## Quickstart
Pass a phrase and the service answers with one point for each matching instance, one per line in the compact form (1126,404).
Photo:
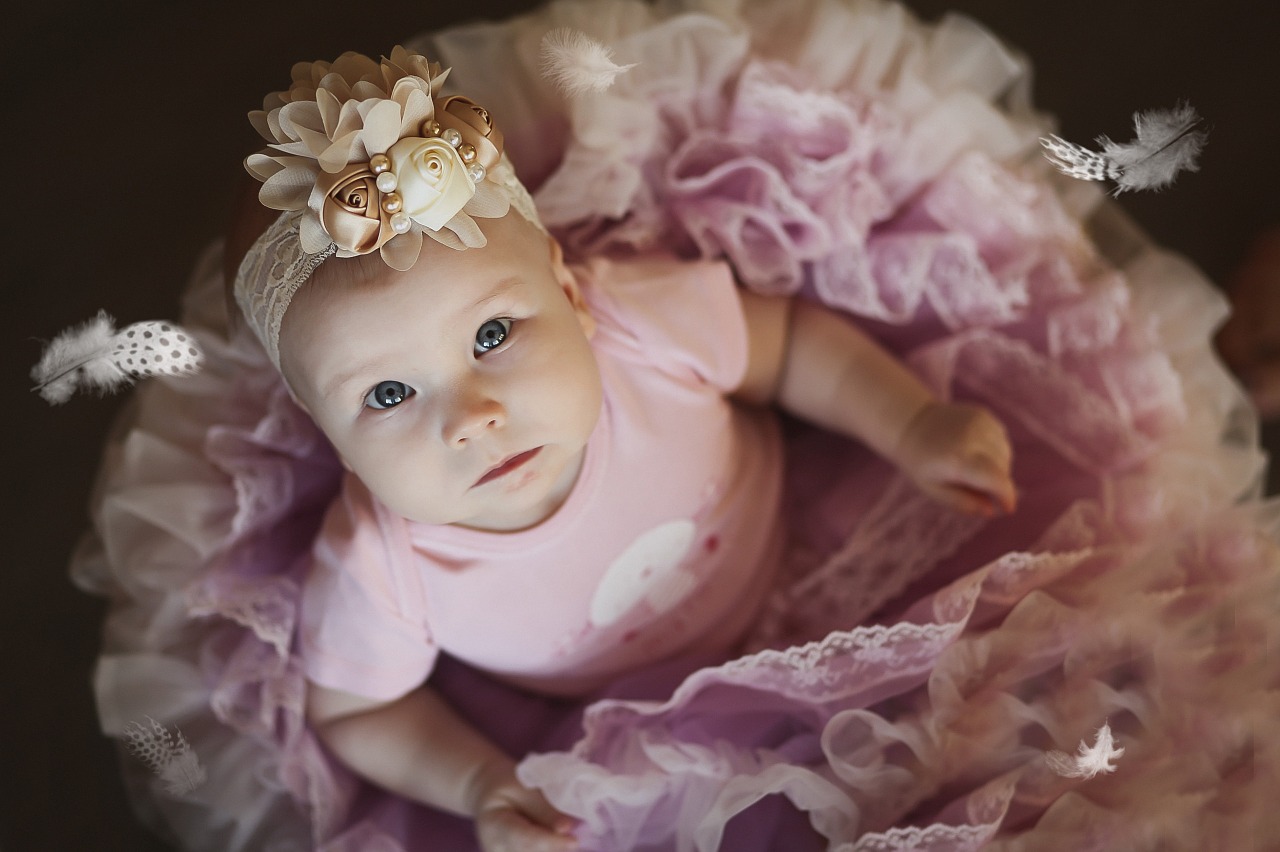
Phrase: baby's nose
(472,415)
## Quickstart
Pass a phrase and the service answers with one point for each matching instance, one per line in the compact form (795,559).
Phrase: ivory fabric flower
(433,180)
(372,158)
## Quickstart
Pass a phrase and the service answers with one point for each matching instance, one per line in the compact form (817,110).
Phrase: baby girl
(558,473)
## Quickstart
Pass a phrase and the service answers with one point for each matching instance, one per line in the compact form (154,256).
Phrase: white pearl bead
(387,182)
(400,223)
(476,172)
(452,136)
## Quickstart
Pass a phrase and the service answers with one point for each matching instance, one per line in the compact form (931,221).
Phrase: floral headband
(367,156)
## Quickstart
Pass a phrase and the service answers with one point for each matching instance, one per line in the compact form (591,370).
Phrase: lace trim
(955,837)
(826,665)
(505,177)
(268,607)
(271,272)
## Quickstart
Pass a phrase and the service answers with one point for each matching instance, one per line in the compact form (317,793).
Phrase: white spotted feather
(94,356)
(1168,142)
(170,758)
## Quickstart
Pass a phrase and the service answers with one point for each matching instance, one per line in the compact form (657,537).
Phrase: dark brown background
(123,128)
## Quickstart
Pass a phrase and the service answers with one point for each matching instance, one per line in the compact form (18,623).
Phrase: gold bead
(430,127)
(468,153)
(392,202)
(379,163)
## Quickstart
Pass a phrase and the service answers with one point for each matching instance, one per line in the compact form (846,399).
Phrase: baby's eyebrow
(331,387)
(500,289)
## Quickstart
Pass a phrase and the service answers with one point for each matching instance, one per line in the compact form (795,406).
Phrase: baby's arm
(820,367)
(418,747)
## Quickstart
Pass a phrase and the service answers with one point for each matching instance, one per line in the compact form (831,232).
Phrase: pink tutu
(913,667)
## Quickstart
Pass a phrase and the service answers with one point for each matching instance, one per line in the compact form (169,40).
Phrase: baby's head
(411,300)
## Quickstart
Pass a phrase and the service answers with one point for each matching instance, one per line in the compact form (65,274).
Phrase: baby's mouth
(506,466)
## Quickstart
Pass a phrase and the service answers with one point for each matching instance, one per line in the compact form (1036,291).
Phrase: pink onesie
(666,544)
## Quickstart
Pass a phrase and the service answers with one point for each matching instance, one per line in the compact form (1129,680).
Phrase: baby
(556,473)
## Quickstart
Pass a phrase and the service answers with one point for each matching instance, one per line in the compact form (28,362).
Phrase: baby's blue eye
(388,394)
(491,335)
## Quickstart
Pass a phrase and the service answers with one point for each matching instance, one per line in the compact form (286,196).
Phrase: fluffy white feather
(1168,142)
(173,761)
(576,63)
(77,356)
(1089,760)
(95,356)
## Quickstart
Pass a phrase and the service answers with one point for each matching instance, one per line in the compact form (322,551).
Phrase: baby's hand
(959,455)
(513,818)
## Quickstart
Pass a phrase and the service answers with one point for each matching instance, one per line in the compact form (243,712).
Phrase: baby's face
(460,392)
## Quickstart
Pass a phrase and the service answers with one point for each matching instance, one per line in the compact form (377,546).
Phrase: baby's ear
(572,289)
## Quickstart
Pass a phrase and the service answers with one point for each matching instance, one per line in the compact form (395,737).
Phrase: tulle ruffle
(913,666)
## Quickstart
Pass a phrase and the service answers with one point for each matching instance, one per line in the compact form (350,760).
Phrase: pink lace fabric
(912,667)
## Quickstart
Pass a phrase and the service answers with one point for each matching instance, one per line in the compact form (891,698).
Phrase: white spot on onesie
(649,571)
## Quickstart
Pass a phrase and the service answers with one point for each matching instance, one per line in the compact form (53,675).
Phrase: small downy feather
(1168,142)
(1089,760)
(578,64)
(94,356)
(173,761)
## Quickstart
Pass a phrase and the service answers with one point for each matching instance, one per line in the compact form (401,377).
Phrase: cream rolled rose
(431,179)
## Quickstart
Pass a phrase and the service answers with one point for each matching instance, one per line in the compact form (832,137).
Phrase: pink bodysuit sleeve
(363,629)
(685,317)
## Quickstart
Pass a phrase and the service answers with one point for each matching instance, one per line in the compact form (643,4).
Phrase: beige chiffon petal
(296,149)
(296,117)
(349,120)
(467,231)
(314,142)
(381,127)
(365,90)
(447,238)
(330,111)
(288,189)
(489,202)
(337,155)
(401,252)
(416,108)
(258,118)
(312,235)
(262,166)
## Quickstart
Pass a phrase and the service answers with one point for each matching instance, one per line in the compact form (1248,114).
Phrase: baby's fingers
(535,806)
(508,830)
(981,485)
